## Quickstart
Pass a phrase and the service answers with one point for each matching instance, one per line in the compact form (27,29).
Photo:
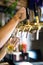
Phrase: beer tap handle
(27,13)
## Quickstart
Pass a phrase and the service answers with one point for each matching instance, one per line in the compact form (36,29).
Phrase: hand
(21,14)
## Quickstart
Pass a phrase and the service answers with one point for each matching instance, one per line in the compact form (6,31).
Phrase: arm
(20,15)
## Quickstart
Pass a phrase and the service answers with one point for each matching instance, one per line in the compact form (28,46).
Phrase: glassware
(13,44)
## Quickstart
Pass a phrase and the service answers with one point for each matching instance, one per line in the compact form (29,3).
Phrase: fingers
(21,14)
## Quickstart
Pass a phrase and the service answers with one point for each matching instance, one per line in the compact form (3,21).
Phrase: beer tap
(32,27)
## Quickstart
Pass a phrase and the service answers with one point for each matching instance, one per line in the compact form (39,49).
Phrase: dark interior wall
(38,44)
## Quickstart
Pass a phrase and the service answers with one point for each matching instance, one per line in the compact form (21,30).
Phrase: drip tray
(23,63)
(37,63)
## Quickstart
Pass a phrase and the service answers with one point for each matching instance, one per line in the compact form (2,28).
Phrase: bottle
(41,18)
(37,25)
(3,19)
(36,12)
(37,18)
(27,13)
